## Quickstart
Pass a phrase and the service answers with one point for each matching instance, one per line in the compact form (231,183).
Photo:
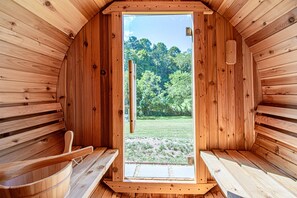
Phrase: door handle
(132,98)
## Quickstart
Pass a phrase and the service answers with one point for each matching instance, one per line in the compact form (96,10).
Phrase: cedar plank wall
(84,87)
(34,35)
(34,38)
(224,112)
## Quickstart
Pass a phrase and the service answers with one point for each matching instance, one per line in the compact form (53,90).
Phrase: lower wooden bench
(244,174)
(87,174)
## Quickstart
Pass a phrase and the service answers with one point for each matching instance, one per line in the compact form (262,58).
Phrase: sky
(169,29)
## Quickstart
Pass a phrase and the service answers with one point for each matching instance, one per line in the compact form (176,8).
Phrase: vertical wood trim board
(200,95)
(248,87)
(117,94)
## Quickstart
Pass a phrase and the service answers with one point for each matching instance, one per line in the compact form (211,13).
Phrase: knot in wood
(94,108)
(120,112)
(86,43)
(71,35)
(197,31)
(291,20)
(115,169)
(102,72)
(47,3)
(200,76)
(112,35)
(94,66)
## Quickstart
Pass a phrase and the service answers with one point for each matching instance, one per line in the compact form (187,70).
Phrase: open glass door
(158,97)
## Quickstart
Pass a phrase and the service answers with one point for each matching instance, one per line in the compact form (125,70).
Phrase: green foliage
(149,94)
(179,92)
(163,78)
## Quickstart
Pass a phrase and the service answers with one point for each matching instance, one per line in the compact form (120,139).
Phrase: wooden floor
(104,191)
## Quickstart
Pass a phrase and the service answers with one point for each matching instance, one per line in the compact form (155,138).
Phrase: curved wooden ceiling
(36,34)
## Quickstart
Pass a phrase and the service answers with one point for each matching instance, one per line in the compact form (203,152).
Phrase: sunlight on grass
(167,140)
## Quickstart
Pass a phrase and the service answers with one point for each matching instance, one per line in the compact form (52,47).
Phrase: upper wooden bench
(34,131)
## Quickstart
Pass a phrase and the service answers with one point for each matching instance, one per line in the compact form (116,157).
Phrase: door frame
(117,73)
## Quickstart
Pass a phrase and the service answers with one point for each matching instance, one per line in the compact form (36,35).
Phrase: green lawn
(162,127)
(160,140)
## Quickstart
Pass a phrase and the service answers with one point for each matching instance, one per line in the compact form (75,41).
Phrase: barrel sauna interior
(69,52)
(50,181)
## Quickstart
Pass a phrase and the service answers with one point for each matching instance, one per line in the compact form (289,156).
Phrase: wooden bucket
(50,181)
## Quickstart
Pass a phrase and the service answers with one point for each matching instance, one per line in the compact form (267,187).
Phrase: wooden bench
(34,131)
(270,168)
(87,174)
(244,174)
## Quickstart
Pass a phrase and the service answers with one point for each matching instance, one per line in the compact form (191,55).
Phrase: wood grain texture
(157,6)
(117,92)
(244,171)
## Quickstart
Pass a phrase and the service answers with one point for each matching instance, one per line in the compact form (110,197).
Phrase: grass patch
(165,140)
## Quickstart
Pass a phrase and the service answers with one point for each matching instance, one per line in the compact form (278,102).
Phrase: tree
(163,77)
(174,51)
(149,94)
(179,93)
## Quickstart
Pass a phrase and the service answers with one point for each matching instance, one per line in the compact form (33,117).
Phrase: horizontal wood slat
(15,98)
(280,99)
(282,137)
(278,111)
(20,87)
(285,151)
(28,43)
(9,62)
(258,12)
(161,188)
(274,39)
(29,149)
(156,6)
(13,75)
(290,68)
(30,135)
(278,60)
(269,25)
(68,20)
(11,8)
(280,90)
(22,28)
(278,123)
(286,166)
(7,112)
(23,123)
(288,45)
(280,80)
(25,54)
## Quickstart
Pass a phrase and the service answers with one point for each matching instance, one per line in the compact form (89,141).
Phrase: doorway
(158,97)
